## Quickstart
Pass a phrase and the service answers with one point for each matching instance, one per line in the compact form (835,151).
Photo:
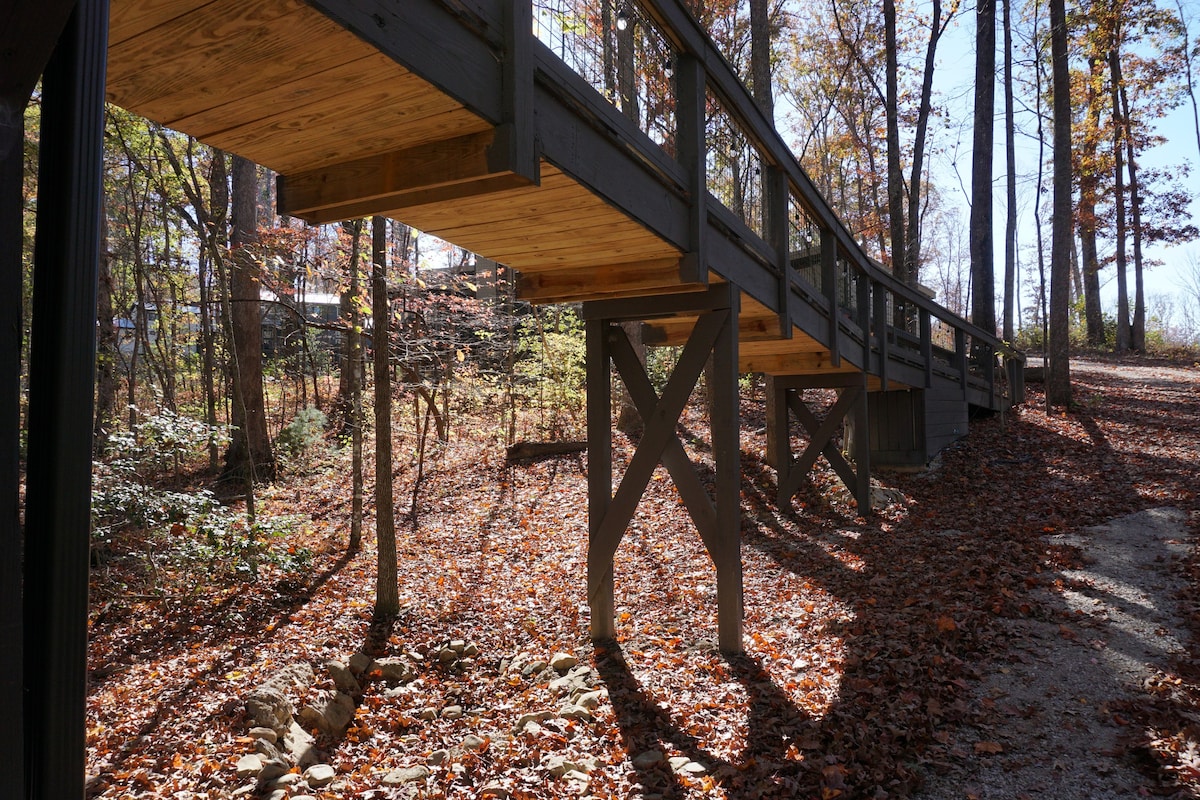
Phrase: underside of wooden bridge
(459,118)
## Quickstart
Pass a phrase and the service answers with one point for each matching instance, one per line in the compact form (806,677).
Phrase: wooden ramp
(460,117)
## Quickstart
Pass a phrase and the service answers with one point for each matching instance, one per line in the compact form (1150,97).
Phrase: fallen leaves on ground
(863,636)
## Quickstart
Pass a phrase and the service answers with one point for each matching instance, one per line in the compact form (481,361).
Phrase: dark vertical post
(776,197)
(599,433)
(778,440)
(863,289)
(829,286)
(690,151)
(727,455)
(12,733)
(881,334)
(518,89)
(927,346)
(61,369)
(960,358)
(862,449)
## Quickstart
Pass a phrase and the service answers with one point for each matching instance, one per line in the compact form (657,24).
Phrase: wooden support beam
(791,364)
(461,167)
(674,331)
(635,279)
(61,369)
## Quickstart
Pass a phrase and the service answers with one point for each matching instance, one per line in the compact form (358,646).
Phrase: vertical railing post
(690,94)
(927,346)
(881,333)
(517,85)
(829,256)
(863,290)
(599,433)
(960,358)
(777,197)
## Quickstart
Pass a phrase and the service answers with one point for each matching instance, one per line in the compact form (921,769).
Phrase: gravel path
(1045,724)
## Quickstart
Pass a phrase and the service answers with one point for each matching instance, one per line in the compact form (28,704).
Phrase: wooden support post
(717,520)
(927,346)
(829,287)
(691,97)
(862,449)
(61,369)
(599,429)
(779,447)
(727,553)
(777,198)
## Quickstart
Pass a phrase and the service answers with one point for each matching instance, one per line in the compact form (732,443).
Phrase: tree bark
(1088,189)
(349,377)
(1138,332)
(1058,374)
(1010,158)
(249,457)
(1124,341)
(352,365)
(895,174)
(387,590)
(983,290)
(107,353)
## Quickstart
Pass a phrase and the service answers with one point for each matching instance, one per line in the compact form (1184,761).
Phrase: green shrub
(301,434)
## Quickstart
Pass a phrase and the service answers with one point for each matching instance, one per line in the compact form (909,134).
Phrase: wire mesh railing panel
(734,166)
(804,245)
(620,52)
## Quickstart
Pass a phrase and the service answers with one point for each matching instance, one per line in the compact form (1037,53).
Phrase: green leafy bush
(301,434)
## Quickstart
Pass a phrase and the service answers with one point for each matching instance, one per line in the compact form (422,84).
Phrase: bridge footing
(717,516)
(785,399)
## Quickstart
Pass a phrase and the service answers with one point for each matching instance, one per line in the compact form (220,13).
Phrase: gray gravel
(1046,704)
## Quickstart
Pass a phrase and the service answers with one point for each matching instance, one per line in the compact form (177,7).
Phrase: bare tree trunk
(1187,72)
(1010,157)
(1138,337)
(106,347)
(349,378)
(387,590)
(249,457)
(983,289)
(354,365)
(895,174)
(1119,133)
(1058,374)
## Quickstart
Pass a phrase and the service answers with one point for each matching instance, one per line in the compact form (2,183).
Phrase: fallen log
(536,451)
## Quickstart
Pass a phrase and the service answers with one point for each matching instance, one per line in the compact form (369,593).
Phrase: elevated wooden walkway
(462,118)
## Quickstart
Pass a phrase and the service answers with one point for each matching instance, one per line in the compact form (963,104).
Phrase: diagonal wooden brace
(660,424)
(784,397)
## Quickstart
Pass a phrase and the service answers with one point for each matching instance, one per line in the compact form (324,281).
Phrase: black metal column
(61,373)
(12,734)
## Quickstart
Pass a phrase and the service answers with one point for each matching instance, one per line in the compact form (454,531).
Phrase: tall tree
(249,457)
(983,289)
(387,590)
(1124,340)
(1089,166)
(1010,171)
(352,366)
(1058,351)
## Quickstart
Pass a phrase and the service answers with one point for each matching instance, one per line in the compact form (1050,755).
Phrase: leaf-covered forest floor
(869,642)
